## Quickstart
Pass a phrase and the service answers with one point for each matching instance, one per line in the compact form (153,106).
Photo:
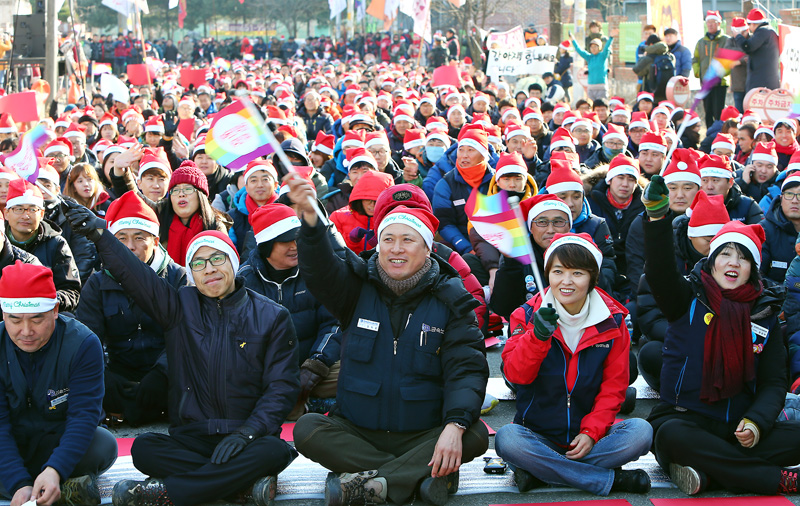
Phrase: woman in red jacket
(568,355)
(355,222)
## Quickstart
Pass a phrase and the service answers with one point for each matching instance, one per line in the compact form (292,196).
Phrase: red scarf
(473,176)
(728,361)
(251,205)
(787,150)
(180,236)
(616,204)
(742,157)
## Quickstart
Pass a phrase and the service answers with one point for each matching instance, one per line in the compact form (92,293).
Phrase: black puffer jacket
(53,251)
(232,361)
(83,251)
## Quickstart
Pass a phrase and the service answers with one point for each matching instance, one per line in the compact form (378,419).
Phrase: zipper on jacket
(219,307)
(395,346)
(680,380)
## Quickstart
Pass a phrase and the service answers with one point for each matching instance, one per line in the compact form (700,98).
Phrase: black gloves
(170,123)
(232,445)
(84,222)
(545,322)
(311,373)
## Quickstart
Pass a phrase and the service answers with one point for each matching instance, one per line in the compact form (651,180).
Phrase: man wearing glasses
(27,229)
(781,226)
(60,151)
(233,375)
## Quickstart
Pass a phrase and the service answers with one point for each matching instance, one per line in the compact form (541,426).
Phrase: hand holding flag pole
(514,203)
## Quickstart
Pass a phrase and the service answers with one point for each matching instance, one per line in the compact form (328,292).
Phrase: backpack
(662,70)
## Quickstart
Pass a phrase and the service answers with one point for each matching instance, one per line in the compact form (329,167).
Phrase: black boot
(635,481)
(526,481)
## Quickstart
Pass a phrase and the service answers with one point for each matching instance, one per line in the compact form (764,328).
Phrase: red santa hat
(154,159)
(494,135)
(515,129)
(324,143)
(622,165)
(562,139)
(691,118)
(644,95)
(716,166)
(756,16)
(421,221)
(538,204)
(8,174)
(752,237)
(213,239)
(533,102)
(427,98)
(654,141)
(787,122)
(481,97)
(354,139)
(561,107)
(27,289)
(356,155)
(708,215)
(475,137)
(7,125)
(509,113)
(573,158)
(615,102)
(738,25)
(682,167)
(714,15)
(792,180)
(58,145)
(378,138)
(583,240)
(616,132)
(23,193)
(436,124)
(510,163)
(765,152)
(130,211)
(63,121)
(570,117)
(565,44)
(48,172)
(154,125)
(403,113)
(272,221)
(75,130)
(794,162)
(750,117)
(639,120)
(563,178)
(529,114)
(413,138)
(257,165)
(723,141)
(108,119)
(730,112)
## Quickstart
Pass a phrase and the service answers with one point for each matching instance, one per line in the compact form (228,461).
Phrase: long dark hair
(755,274)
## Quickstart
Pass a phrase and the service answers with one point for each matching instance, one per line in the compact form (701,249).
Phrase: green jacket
(704,52)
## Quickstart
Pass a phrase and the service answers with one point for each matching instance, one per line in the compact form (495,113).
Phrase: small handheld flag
(238,135)
(24,159)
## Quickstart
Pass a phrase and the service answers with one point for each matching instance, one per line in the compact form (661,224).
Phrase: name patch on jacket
(460,202)
(56,397)
(779,265)
(368,324)
(758,330)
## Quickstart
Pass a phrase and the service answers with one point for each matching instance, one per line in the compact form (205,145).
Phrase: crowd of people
(350,292)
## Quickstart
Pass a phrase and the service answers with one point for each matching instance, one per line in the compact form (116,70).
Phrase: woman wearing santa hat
(564,431)
(723,379)
(413,373)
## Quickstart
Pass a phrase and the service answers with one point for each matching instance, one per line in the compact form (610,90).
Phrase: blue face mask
(611,153)
(434,153)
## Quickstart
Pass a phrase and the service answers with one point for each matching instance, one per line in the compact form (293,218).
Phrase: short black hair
(583,101)
(755,275)
(599,103)
(535,86)
(573,256)
(652,39)
(749,128)
(670,31)
(506,102)
(547,106)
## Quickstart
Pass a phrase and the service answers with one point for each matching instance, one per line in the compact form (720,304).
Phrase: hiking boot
(526,481)
(788,483)
(355,488)
(151,492)
(263,491)
(635,481)
(80,491)
(434,490)
(687,479)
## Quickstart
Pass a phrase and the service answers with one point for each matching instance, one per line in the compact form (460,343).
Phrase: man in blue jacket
(781,226)
(136,374)
(233,375)
(51,394)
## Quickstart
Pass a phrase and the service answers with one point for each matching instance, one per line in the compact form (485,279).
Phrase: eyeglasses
(790,196)
(614,145)
(183,190)
(544,222)
(199,264)
(19,211)
(58,155)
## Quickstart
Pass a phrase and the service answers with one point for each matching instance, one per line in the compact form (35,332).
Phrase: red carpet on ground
(775,500)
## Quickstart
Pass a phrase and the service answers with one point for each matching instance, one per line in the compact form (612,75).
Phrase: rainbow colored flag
(238,135)
(494,220)
(721,65)
(795,111)
(24,159)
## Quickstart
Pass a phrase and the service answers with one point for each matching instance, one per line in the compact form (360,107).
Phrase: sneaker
(788,483)
(355,488)
(635,481)
(434,490)
(80,491)
(151,492)
(263,491)
(688,480)
(321,406)
(526,481)
(489,402)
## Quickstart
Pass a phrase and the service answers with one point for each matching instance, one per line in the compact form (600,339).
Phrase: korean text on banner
(532,61)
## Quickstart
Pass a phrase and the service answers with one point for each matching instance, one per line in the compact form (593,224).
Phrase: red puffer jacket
(352,222)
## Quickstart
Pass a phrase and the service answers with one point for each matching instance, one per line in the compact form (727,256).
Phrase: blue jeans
(625,442)
(738,100)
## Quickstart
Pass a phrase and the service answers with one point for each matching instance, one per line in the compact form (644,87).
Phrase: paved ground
(501,415)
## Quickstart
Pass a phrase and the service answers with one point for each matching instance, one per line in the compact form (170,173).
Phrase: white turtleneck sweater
(594,311)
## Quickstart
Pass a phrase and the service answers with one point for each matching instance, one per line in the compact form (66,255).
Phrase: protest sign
(197,77)
(446,75)
(513,40)
(22,107)
(790,58)
(140,74)
(531,61)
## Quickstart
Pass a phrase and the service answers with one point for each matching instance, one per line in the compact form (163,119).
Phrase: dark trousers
(650,363)
(714,103)
(400,457)
(99,456)
(182,460)
(124,397)
(690,439)
(475,265)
